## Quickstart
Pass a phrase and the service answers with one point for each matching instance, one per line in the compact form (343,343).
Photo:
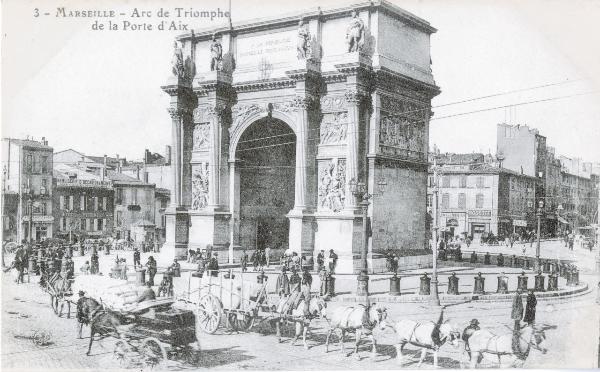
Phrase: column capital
(355,96)
(178,112)
(216,110)
(305,102)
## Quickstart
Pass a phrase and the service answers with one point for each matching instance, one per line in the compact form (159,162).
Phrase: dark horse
(86,309)
(105,323)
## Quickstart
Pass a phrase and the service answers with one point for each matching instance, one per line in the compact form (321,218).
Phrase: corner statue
(177,63)
(216,54)
(303,46)
(355,33)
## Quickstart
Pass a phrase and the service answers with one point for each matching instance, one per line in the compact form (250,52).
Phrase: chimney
(104,168)
(145,174)
(118,164)
(44,141)
(168,155)
(137,171)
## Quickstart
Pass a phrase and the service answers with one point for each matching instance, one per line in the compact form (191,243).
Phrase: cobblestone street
(572,336)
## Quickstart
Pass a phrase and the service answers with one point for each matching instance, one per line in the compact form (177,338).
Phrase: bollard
(562,270)
(425,287)
(331,285)
(539,282)
(522,282)
(453,284)
(569,277)
(81,251)
(479,285)
(514,261)
(553,282)
(487,258)
(500,260)
(107,249)
(502,284)
(140,276)
(395,285)
(525,263)
(94,250)
(473,258)
(458,255)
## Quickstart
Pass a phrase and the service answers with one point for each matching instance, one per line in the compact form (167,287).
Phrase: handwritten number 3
(36,12)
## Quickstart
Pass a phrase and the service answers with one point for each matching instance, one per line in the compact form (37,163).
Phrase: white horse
(507,344)
(360,319)
(316,308)
(427,335)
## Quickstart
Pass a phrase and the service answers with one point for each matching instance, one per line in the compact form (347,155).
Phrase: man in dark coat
(321,260)
(244,261)
(151,265)
(136,259)
(333,257)
(529,317)
(213,265)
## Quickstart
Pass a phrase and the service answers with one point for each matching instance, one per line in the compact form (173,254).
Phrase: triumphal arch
(275,123)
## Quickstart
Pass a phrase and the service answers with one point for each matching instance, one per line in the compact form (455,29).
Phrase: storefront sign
(453,215)
(452,223)
(521,223)
(480,213)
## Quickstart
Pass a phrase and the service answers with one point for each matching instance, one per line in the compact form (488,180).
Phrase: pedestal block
(395,285)
(343,234)
(553,282)
(453,284)
(522,282)
(502,284)
(425,285)
(500,260)
(177,226)
(539,282)
(479,284)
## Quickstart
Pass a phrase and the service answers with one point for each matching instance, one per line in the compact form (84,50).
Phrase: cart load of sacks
(115,294)
(233,293)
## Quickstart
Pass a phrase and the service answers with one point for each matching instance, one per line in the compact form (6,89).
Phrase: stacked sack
(112,293)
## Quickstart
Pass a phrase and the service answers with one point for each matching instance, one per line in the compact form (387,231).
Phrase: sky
(99,91)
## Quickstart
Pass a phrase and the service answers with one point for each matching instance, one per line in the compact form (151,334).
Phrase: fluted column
(303,105)
(215,115)
(353,99)
(177,130)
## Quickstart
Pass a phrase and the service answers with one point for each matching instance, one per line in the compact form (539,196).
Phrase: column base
(341,232)
(177,225)
(302,232)
(210,227)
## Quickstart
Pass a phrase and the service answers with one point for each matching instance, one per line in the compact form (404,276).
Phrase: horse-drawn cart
(226,298)
(163,333)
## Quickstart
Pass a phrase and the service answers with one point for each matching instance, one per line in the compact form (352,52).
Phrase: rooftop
(42,145)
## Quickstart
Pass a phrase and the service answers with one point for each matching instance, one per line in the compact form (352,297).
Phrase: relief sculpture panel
(402,129)
(332,185)
(334,128)
(200,174)
(201,137)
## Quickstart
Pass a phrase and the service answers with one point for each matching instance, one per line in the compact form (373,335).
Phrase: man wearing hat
(295,287)
(136,259)
(320,261)
(333,257)
(213,265)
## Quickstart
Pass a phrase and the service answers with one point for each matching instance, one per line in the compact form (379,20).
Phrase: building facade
(277,126)
(579,194)
(28,179)
(83,204)
(477,199)
(134,208)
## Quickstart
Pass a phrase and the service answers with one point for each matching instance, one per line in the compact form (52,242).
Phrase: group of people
(47,260)
(294,288)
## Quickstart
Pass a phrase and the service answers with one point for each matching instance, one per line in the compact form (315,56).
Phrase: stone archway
(265,159)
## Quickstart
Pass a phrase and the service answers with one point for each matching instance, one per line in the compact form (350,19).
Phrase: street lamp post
(434,297)
(539,227)
(359,190)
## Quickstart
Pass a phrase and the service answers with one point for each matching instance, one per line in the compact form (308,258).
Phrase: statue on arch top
(355,33)
(216,54)
(303,44)
(177,64)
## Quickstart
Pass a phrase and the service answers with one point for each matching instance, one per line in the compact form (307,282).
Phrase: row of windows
(35,164)
(132,197)
(458,181)
(39,207)
(86,203)
(87,224)
(461,201)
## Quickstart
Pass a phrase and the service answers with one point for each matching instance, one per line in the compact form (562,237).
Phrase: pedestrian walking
(323,278)
(333,257)
(136,259)
(151,265)
(530,306)
(255,259)
(321,261)
(282,285)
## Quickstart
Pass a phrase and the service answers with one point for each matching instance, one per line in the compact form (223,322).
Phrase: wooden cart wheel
(209,314)
(153,353)
(122,353)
